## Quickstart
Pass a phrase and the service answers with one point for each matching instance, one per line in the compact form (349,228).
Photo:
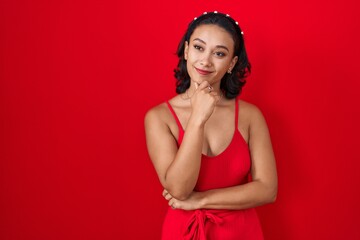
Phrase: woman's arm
(261,190)
(178,169)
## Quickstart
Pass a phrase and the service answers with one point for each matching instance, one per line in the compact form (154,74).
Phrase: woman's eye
(220,54)
(198,47)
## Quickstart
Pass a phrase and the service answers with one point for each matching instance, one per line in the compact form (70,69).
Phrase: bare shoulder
(158,114)
(161,114)
(253,118)
(249,112)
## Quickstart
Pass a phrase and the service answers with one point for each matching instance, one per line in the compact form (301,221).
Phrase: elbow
(272,195)
(178,191)
(272,198)
(179,194)
(268,193)
(182,197)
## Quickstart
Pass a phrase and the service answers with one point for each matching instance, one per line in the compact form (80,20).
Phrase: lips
(202,72)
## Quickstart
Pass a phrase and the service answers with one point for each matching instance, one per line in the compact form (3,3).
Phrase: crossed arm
(178,169)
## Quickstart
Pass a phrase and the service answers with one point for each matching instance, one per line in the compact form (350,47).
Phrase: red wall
(76,78)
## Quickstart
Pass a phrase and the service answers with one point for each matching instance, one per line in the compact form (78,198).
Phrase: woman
(211,151)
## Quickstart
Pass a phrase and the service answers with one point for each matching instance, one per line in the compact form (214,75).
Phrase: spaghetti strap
(236,112)
(174,114)
(181,130)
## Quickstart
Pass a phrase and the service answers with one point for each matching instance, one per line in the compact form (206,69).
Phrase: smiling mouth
(202,72)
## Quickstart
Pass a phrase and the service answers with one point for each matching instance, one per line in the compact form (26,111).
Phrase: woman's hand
(203,101)
(193,202)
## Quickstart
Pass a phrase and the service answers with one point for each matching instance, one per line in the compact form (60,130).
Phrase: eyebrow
(217,46)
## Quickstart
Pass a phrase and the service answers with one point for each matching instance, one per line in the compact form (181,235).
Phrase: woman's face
(209,54)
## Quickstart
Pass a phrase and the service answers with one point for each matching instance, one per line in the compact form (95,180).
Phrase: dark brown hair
(231,84)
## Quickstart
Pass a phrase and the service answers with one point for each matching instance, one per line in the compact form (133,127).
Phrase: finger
(164,193)
(168,197)
(203,85)
(208,89)
(172,204)
(196,85)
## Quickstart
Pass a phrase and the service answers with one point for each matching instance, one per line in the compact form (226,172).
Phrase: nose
(206,60)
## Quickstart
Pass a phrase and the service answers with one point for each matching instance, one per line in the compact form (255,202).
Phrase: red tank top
(229,168)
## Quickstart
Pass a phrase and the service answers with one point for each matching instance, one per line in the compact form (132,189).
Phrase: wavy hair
(231,84)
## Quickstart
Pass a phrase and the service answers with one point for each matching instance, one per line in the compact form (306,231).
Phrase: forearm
(244,196)
(182,174)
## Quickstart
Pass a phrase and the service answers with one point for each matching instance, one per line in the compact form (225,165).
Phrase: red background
(76,78)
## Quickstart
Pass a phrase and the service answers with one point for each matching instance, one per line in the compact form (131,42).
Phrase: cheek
(223,67)
(189,66)
(191,56)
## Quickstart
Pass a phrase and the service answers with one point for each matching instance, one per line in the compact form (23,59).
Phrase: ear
(233,62)
(186,50)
